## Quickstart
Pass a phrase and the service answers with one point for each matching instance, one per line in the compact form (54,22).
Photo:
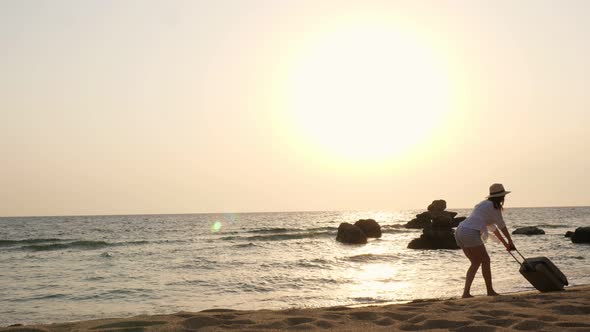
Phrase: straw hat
(497,190)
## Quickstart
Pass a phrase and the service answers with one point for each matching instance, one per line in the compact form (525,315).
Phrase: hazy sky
(116,107)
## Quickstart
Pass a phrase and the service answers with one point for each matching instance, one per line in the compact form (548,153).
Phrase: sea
(60,269)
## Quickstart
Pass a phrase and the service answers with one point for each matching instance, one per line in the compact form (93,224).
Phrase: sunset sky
(125,107)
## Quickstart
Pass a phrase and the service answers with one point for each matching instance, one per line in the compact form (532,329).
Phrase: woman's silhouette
(472,232)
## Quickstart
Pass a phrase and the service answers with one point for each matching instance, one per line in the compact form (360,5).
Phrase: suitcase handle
(523,259)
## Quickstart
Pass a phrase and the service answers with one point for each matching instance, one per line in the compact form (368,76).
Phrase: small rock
(581,235)
(569,234)
(351,234)
(437,205)
(457,221)
(529,230)
(370,227)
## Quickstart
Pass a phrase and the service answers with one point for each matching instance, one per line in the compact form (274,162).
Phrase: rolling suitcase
(541,273)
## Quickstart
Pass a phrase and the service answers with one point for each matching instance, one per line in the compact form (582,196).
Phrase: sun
(366,92)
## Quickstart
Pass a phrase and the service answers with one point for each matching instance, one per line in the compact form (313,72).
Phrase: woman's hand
(510,246)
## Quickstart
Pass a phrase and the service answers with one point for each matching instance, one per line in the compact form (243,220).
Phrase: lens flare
(216,227)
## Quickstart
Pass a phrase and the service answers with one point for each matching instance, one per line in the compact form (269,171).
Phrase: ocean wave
(254,288)
(189,282)
(552,226)
(397,228)
(314,263)
(61,244)
(282,230)
(49,297)
(370,258)
(138,293)
(368,300)
(245,245)
(279,237)
(139,242)
(272,230)
(282,234)
(70,245)
(12,243)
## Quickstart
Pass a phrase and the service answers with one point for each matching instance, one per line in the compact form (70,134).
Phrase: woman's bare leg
(474,257)
(478,256)
(486,271)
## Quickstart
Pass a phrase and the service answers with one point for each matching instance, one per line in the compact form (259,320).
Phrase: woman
(470,232)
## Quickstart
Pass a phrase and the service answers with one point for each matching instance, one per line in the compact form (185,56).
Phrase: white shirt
(483,216)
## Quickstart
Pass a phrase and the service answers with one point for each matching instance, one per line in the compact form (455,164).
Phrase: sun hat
(497,190)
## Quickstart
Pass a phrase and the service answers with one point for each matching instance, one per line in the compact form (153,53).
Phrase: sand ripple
(562,311)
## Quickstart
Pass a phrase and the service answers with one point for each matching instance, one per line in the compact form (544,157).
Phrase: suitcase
(542,273)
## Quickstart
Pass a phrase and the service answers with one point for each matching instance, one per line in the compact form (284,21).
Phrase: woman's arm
(508,244)
(500,237)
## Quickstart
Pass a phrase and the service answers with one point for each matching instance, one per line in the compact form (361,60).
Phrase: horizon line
(269,212)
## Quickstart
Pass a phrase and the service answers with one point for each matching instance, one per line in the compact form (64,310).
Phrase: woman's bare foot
(493,294)
(466,296)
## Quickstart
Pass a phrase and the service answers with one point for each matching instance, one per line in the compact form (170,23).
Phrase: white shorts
(467,237)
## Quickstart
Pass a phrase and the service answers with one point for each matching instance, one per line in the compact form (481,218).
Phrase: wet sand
(568,310)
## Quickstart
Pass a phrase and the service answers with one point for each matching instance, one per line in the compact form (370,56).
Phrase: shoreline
(568,310)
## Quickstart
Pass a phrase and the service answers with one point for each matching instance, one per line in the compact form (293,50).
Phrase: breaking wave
(371,258)
(12,243)
(282,234)
(61,244)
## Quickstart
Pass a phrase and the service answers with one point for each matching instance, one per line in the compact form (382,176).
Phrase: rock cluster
(435,238)
(529,230)
(437,225)
(359,232)
(435,216)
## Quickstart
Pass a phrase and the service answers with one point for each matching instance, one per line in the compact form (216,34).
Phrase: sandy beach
(568,310)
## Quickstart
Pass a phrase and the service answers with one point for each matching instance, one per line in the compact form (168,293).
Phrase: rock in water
(351,234)
(437,205)
(435,238)
(457,221)
(452,214)
(569,234)
(422,220)
(581,235)
(442,221)
(418,224)
(436,216)
(529,230)
(370,227)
